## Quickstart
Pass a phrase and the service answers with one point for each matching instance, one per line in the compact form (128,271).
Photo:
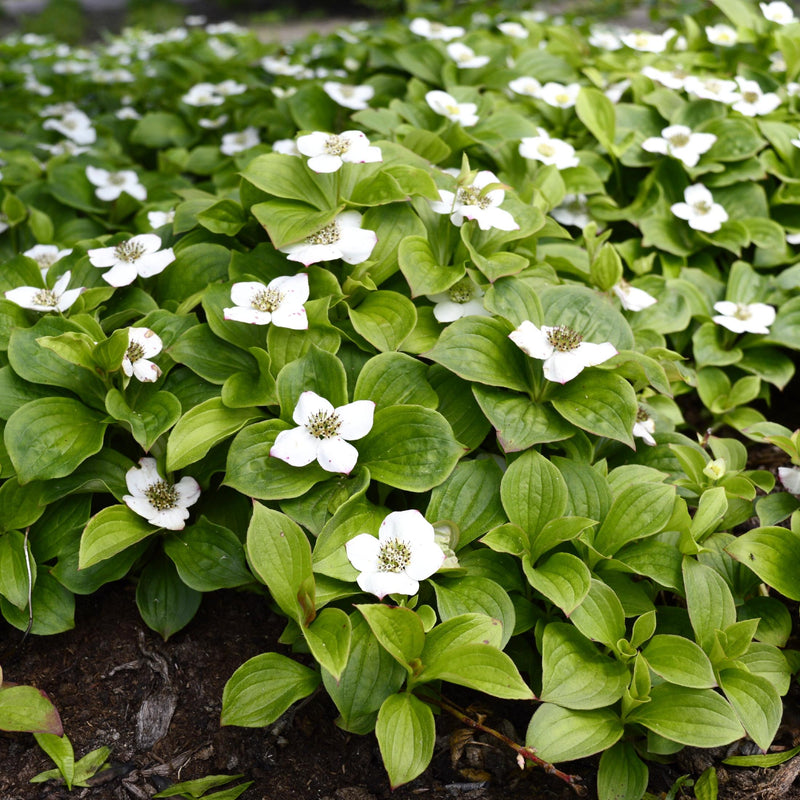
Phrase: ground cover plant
(398,328)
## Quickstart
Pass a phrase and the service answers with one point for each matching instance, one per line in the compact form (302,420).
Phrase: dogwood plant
(279,302)
(160,502)
(138,256)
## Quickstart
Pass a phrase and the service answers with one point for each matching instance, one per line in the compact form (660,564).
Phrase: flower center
(563,338)
(134,352)
(69,124)
(46,260)
(266,300)
(742,311)
(562,98)
(546,150)
(679,140)
(46,298)
(129,251)
(460,292)
(116,179)
(642,415)
(323,425)
(394,556)
(347,91)
(327,235)
(162,495)
(702,207)
(750,97)
(471,196)
(336,145)
(436,27)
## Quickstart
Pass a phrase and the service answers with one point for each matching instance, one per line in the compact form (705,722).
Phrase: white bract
(59,298)
(434,30)
(474,202)
(680,142)
(674,79)
(279,302)
(343,238)
(644,427)
(753,101)
(700,210)
(323,433)
(158,219)
(719,89)
(790,478)
(646,41)
(465,57)
(143,344)
(778,11)
(561,348)
(446,105)
(722,35)
(543,148)
(560,95)
(45,255)
(516,30)
(328,151)
(744,317)
(110,185)
(233,143)
(75,125)
(137,256)
(574,210)
(462,299)
(349,96)
(525,85)
(632,299)
(203,94)
(161,503)
(403,554)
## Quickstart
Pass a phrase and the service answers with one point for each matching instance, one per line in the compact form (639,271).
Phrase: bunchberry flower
(631,298)
(161,503)
(525,85)
(543,148)
(744,317)
(203,94)
(790,478)
(778,11)
(515,30)
(45,255)
(143,344)
(355,97)
(279,302)
(434,30)
(328,151)
(722,35)
(573,210)
(752,100)
(646,41)
(680,142)
(700,210)
(561,348)
(233,143)
(473,202)
(137,256)
(446,105)
(158,219)
(110,185)
(644,427)
(75,125)
(465,56)
(343,238)
(462,299)
(560,95)
(324,433)
(59,298)
(404,553)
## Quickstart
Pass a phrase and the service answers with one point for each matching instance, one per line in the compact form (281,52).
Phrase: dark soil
(115,682)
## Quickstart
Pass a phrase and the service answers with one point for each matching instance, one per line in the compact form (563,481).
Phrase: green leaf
(622,774)
(208,356)
(767,760)
(708,600)
(198,787)
(25,708)
(111,531)
(770,552)
(317,371)
(478,349)
(457,406)
(328,638)
(53,608)
(679,661)
(575,674)
(410,448)
(50,437)
(398,629)
(391,379)
(226,217)
(463,629)
(599,402)
(20,506)
(153,413)
(600,616)
(15,561)
(596,112)
(561,734)
(755,701)
(693,717)
(59,748)
(289,221)
(290,178)
(384,319)
(280,555)
(562,578)
(423,273)
(406,735)
(159,130)
(263,688)
(201,427)
(165,602)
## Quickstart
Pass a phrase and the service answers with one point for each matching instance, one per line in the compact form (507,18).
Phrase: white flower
(137,256)
(64,147)
(614,91)
(233,143)
(462,299)
(790,478)
(343,238)
(548,151)
(446,105)
(45,255)
(158,219)
(404,554)
(59,298)
(349,96)
(110,185)
(161,503)
(793,238)
(286,146)
(674,79)
(646,42)
(465,56)
(213,124)
(700,210)
(230,87)
(126,112)
(572,211)
(719,89)
(604,39)
(281,66)
(560,95)
(722,35)
(203,94)
(323,433)
(279,302)
(515,30)
(328,151)
(644,427)
(75,125)
(472,202)
(525,85)
(744,317)
(632,299)
(778,11)
(679,141)
(562,349)
(753,101)
(434,30)
(142,345)
(777,62)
